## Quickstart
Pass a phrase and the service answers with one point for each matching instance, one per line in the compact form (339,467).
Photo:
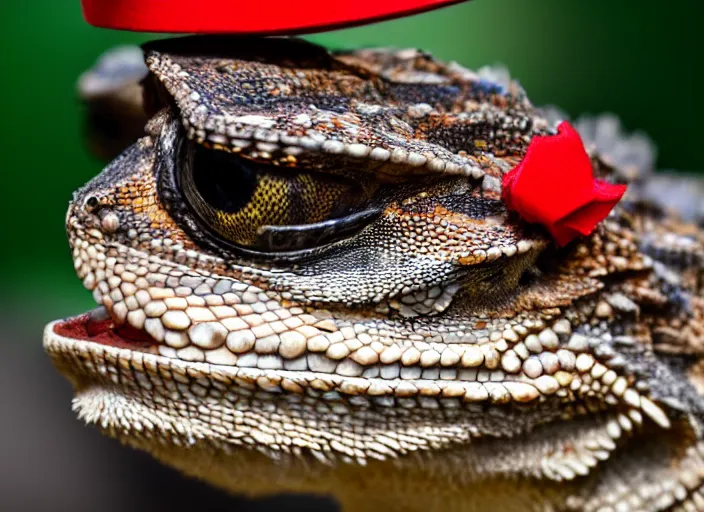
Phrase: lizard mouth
(97,326)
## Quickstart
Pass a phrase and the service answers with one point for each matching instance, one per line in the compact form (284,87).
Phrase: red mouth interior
(105,332)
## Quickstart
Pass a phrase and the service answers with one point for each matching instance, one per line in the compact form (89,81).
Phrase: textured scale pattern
(443,355)
(416,113)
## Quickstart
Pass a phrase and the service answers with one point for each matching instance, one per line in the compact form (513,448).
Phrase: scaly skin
(442,354)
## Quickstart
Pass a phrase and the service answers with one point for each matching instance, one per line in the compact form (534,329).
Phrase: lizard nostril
(91,203)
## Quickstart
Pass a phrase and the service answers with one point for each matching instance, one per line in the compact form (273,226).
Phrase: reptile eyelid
(297,237)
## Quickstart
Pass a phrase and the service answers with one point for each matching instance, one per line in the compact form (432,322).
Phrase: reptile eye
(263,207)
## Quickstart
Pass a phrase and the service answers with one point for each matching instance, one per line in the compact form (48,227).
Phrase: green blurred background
(637,58)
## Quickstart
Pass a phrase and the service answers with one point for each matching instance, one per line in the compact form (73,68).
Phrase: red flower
(554,186)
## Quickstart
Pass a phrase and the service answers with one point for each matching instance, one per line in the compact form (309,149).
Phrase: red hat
(247,17)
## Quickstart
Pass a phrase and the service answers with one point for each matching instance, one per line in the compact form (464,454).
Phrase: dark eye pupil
(225,183)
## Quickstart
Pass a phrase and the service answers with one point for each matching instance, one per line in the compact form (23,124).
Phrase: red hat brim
(251,17)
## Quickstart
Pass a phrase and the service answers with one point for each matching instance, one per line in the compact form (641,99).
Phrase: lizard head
(307,257)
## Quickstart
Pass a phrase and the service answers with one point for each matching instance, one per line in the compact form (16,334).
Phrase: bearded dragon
(307,281)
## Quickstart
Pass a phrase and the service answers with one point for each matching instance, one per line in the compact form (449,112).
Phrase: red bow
(554,186)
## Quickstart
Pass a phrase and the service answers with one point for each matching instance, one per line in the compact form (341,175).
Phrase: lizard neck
(411,483)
